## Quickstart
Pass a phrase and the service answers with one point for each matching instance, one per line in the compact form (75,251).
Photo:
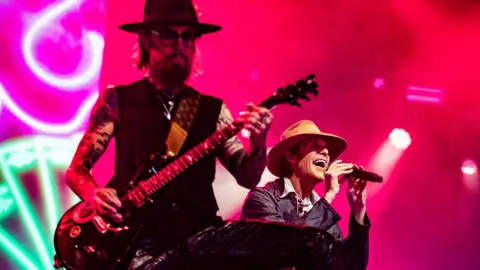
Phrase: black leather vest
(142,131)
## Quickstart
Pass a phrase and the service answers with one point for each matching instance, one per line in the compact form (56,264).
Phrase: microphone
(366,175)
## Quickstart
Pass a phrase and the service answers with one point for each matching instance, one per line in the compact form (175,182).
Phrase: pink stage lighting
(425,95)
(400,138)
(469,167)
(379,83)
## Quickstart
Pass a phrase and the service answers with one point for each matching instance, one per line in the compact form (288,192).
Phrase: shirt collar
(288,188)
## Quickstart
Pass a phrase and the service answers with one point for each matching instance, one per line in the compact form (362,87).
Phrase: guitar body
(83,240)
(83,246)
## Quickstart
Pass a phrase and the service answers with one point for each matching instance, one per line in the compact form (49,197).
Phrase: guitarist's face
(171,54)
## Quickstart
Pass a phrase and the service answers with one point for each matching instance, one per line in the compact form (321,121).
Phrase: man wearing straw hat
(303,158)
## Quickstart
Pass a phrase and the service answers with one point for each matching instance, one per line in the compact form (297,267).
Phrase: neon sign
(52,128)
(6,202)
(44,156)
(91,60)
(87,71)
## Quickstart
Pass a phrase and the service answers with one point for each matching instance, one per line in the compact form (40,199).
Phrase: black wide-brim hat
(169,12)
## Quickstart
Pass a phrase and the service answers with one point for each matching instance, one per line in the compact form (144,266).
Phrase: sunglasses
(170,37)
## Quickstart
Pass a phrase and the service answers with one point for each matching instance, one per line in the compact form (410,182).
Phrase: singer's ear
(290,157)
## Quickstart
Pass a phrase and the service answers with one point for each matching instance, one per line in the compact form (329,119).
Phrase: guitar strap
(186,112)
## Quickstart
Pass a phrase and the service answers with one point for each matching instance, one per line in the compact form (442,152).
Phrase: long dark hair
(140,56)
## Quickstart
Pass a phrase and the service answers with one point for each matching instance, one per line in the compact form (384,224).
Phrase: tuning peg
(305,97)
(294,102)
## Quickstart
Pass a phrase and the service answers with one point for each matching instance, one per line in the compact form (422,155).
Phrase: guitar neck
(159,179)
(173,169)
(210,144)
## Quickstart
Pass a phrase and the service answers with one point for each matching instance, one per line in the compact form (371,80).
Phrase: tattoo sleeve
(247,168)
(101,128)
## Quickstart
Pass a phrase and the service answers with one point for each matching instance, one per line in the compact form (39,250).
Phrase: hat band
(171,18)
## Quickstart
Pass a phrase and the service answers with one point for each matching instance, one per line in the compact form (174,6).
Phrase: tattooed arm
(103,119)
(247,168)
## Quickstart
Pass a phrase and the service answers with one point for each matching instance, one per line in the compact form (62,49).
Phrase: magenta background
(424,217)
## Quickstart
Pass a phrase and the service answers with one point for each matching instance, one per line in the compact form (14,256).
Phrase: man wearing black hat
(162,113)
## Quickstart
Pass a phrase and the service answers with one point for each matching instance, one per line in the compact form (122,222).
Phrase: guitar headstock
(292,93)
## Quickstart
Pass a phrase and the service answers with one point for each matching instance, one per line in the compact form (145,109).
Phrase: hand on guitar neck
(256,120)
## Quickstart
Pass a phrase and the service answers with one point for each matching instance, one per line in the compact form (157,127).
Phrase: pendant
(167,113)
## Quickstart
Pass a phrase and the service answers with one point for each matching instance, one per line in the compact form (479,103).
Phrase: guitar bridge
(104,226)
(83,213)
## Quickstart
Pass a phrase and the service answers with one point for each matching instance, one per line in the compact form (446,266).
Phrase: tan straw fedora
(297,132)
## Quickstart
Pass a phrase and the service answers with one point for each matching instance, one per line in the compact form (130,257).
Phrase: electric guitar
(84,240)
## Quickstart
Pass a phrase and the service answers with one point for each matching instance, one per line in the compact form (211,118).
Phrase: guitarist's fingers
(253,117)
(252,129)
(114,198)
(110,196)
(264,115)
(104,207)
(108,212)
(116,218)
(250,106)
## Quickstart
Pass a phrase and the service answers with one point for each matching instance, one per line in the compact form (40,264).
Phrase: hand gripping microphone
(366,175)
(357,173)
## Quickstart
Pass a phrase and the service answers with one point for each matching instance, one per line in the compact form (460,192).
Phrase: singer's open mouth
(320,163)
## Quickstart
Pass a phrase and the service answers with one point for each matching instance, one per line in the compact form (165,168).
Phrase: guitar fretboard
(143,190)
(172,170)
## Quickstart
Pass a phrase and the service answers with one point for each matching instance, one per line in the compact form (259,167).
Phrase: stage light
(425,95)
(400,138)
(379,83)
(469,167)
(245,133)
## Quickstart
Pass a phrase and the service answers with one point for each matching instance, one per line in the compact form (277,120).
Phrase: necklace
(168,109)
(170,98)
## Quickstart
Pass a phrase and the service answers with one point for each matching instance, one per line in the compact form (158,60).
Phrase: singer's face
(310,158)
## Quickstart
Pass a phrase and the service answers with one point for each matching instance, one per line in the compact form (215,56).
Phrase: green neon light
(44,156)
(6,202)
